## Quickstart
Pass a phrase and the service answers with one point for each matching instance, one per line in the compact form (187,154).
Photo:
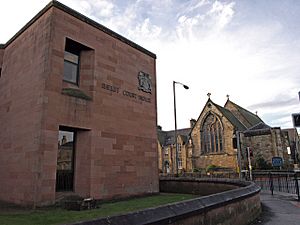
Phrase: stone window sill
(77,93)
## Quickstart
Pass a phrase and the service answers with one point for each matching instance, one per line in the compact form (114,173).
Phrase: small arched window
(211,135)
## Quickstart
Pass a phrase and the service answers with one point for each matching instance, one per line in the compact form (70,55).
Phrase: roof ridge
(260,123)
(240,109)
(244,109)
(232,114)
(179,129)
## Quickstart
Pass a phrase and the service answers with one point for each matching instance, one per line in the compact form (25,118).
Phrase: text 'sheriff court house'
(77,111)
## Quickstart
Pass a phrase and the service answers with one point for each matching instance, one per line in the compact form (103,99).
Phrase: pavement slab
(278,209)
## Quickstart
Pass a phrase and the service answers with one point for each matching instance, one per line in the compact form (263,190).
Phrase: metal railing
(64,180)
(280,181)
(229,175)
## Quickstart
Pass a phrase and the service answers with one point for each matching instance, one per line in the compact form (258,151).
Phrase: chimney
(192,123)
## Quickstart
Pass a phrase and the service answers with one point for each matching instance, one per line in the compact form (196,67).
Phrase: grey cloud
(278,102)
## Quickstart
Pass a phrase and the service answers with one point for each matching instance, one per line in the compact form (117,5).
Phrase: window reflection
(65,150)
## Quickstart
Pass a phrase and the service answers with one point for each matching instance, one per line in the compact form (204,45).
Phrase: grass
(47,216)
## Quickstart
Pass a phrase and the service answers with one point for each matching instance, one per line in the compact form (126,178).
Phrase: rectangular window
(166,152)
(72,54)
(180,163)
(71,67)
(179,148)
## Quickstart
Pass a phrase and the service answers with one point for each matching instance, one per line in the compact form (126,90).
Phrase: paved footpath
(279,209)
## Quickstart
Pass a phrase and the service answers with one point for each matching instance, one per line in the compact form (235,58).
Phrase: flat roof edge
(83,18)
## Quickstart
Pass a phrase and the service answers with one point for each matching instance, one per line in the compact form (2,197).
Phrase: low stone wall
(238,203)
(198,186)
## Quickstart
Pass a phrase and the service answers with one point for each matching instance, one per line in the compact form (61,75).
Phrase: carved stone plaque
(144,82)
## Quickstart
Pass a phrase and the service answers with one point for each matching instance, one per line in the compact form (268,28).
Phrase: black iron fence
(222,174)
(64,180)
(281,181)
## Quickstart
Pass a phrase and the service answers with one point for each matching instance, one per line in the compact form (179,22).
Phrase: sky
(249,50)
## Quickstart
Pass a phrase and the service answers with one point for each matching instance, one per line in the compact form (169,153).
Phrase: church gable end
(211,131)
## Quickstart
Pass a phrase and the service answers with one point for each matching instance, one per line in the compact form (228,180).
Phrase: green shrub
(210,168)
(261,163)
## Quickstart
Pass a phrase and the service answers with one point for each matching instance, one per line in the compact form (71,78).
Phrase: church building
(222,137)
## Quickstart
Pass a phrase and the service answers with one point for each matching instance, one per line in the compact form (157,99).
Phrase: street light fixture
(175,119)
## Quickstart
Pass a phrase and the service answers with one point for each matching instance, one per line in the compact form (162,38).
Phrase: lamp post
(175,119)
(238,146)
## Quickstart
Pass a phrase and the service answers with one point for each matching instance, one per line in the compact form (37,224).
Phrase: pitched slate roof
(250,117)
(231,117)
(259,126)
(258,129)
(167,137)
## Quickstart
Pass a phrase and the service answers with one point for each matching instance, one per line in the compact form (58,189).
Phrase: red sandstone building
(77,111)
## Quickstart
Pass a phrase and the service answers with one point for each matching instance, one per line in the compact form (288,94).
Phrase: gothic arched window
(211,135)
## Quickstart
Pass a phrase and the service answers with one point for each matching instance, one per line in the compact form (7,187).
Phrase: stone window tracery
(211,135)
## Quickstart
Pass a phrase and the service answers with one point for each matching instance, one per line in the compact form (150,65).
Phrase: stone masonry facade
(110,112)
(215,138)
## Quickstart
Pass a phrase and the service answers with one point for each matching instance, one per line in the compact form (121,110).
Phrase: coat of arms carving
(144,82)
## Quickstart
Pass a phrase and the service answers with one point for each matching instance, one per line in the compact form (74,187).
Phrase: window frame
(180,165)
(77,69)
(69,187)
(75,48)
(212,135)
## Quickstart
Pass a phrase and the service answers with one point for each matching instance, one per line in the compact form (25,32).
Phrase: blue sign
(277,161)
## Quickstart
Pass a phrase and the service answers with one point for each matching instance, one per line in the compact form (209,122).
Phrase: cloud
(278,102)
(145,30)
(197,22)
(221,13)
(250,51)
(277,111)
(98,8)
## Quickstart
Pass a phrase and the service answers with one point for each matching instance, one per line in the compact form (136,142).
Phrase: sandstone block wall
(116,145)
(227,158)
(21,105)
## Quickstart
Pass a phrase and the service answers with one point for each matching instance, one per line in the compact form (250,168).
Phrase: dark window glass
(71,67)
(212,141)
(234,142)
(72,54)
(220,137)
(216,141)
(211,135)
